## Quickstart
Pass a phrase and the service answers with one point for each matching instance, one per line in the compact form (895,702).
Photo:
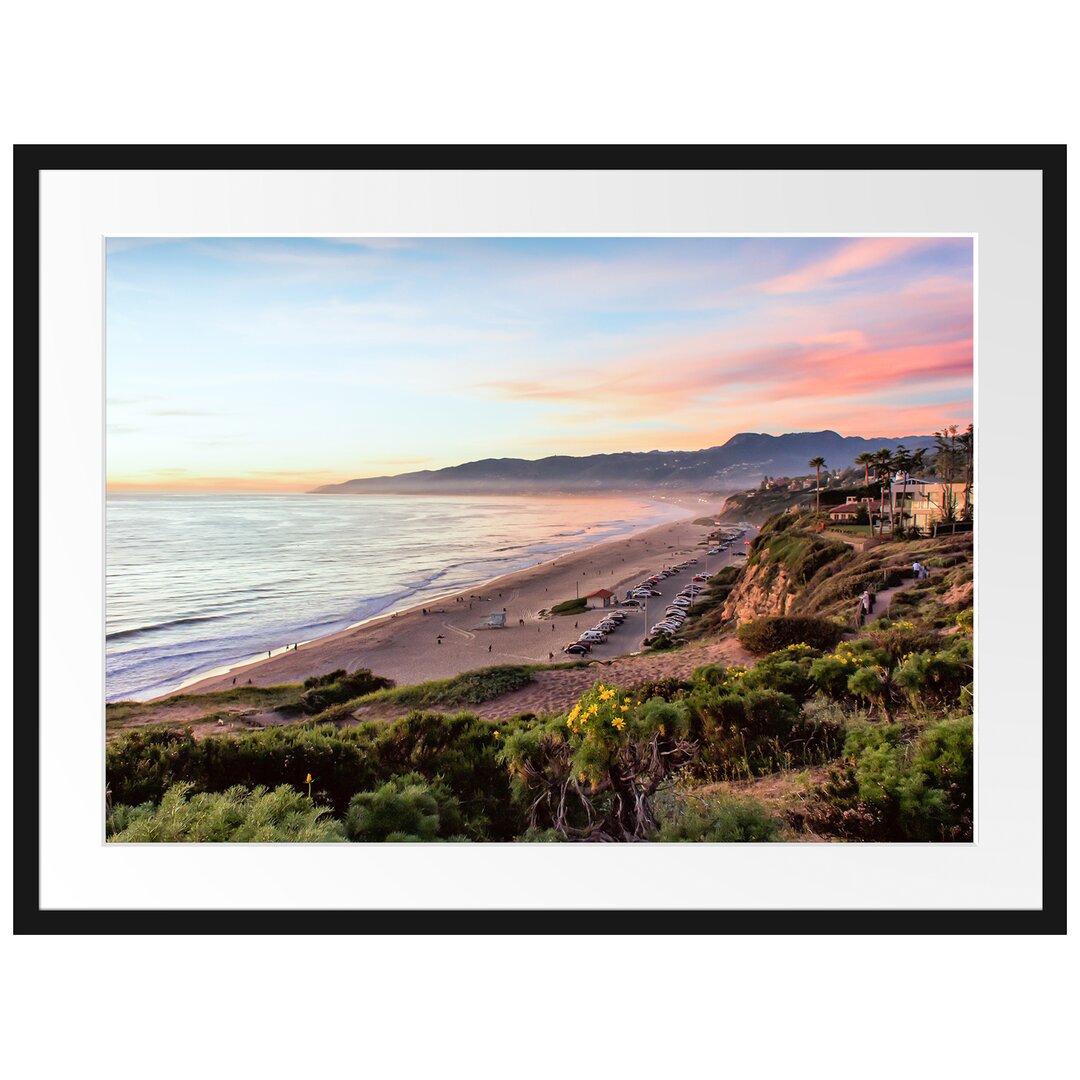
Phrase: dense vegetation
(762,636)
(234,815)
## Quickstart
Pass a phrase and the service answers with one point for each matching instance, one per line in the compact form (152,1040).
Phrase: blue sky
(277,364)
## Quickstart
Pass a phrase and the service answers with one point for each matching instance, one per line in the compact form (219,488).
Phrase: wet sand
(405,647)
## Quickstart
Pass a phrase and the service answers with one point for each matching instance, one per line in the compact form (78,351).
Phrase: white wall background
(552,72)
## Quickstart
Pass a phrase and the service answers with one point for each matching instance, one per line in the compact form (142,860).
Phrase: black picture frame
(31,160)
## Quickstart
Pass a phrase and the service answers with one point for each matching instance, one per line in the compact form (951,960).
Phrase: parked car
(578,648)
(593,637)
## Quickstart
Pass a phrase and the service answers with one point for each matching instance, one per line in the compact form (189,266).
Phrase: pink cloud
(854,257)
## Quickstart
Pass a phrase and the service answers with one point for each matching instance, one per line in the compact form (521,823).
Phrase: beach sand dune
(451,638)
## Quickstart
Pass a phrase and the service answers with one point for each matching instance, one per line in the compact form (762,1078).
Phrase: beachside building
(600,598)
(920,503)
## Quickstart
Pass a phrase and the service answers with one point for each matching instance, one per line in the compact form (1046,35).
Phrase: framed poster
(449,534)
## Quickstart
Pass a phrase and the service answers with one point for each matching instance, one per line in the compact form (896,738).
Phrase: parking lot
(629,636)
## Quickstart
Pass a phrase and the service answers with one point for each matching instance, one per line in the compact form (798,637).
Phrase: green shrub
(767,635)
(889,788)
(234,816)
(934,679)
(898,640)
(669,689)
(747,732)
(404,808)
(787,671)
(470,688)
(142,765)
(339,687)
(570,607)
(720,821)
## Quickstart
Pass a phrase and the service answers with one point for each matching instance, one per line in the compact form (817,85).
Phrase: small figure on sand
(489,648)
(438,640)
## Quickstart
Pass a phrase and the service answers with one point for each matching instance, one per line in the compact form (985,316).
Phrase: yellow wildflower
(495,733)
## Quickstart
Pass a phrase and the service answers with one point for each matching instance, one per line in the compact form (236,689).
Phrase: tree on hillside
(865,459)
(948,460)
(966,445)
(817,463)
(882,464)
(594,775)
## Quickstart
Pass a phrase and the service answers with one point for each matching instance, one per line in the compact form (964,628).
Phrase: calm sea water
(196,582)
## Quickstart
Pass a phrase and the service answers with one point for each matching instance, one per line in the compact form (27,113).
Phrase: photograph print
(522,539)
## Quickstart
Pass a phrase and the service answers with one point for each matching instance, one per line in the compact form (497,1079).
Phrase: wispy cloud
(854,257)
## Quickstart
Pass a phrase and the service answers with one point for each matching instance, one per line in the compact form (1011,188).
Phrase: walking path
(883,599)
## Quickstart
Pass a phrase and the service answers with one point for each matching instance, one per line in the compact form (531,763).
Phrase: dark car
(578,648)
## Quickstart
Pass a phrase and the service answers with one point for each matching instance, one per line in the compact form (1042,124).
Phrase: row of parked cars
(612,620)
(676,612)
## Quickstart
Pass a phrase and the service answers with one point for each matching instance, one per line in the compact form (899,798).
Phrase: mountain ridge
(743,459)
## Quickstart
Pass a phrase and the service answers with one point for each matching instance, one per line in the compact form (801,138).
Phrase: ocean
(197,582)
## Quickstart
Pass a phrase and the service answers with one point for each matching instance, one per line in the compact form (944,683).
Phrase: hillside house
(920,503)
(849,511)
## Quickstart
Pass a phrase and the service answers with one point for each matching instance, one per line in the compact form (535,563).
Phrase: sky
(276,364)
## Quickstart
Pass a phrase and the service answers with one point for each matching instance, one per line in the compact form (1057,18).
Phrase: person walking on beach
(489,648)
(551,656)
(438,640)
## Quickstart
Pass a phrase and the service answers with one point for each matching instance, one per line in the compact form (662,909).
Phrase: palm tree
(882,465)
(817,463)
(865,459)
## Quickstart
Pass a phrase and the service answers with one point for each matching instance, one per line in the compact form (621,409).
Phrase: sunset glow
(281,364)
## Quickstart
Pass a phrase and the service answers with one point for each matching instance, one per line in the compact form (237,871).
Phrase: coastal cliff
(762,591)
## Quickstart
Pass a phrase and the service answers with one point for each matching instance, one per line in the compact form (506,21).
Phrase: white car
(593,637)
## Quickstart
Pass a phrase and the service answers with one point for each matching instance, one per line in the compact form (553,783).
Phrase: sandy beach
(406,647)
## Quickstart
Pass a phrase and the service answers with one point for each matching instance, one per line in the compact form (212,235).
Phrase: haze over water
(195,582)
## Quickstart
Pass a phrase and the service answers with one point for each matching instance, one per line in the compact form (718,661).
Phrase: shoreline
(405,644)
